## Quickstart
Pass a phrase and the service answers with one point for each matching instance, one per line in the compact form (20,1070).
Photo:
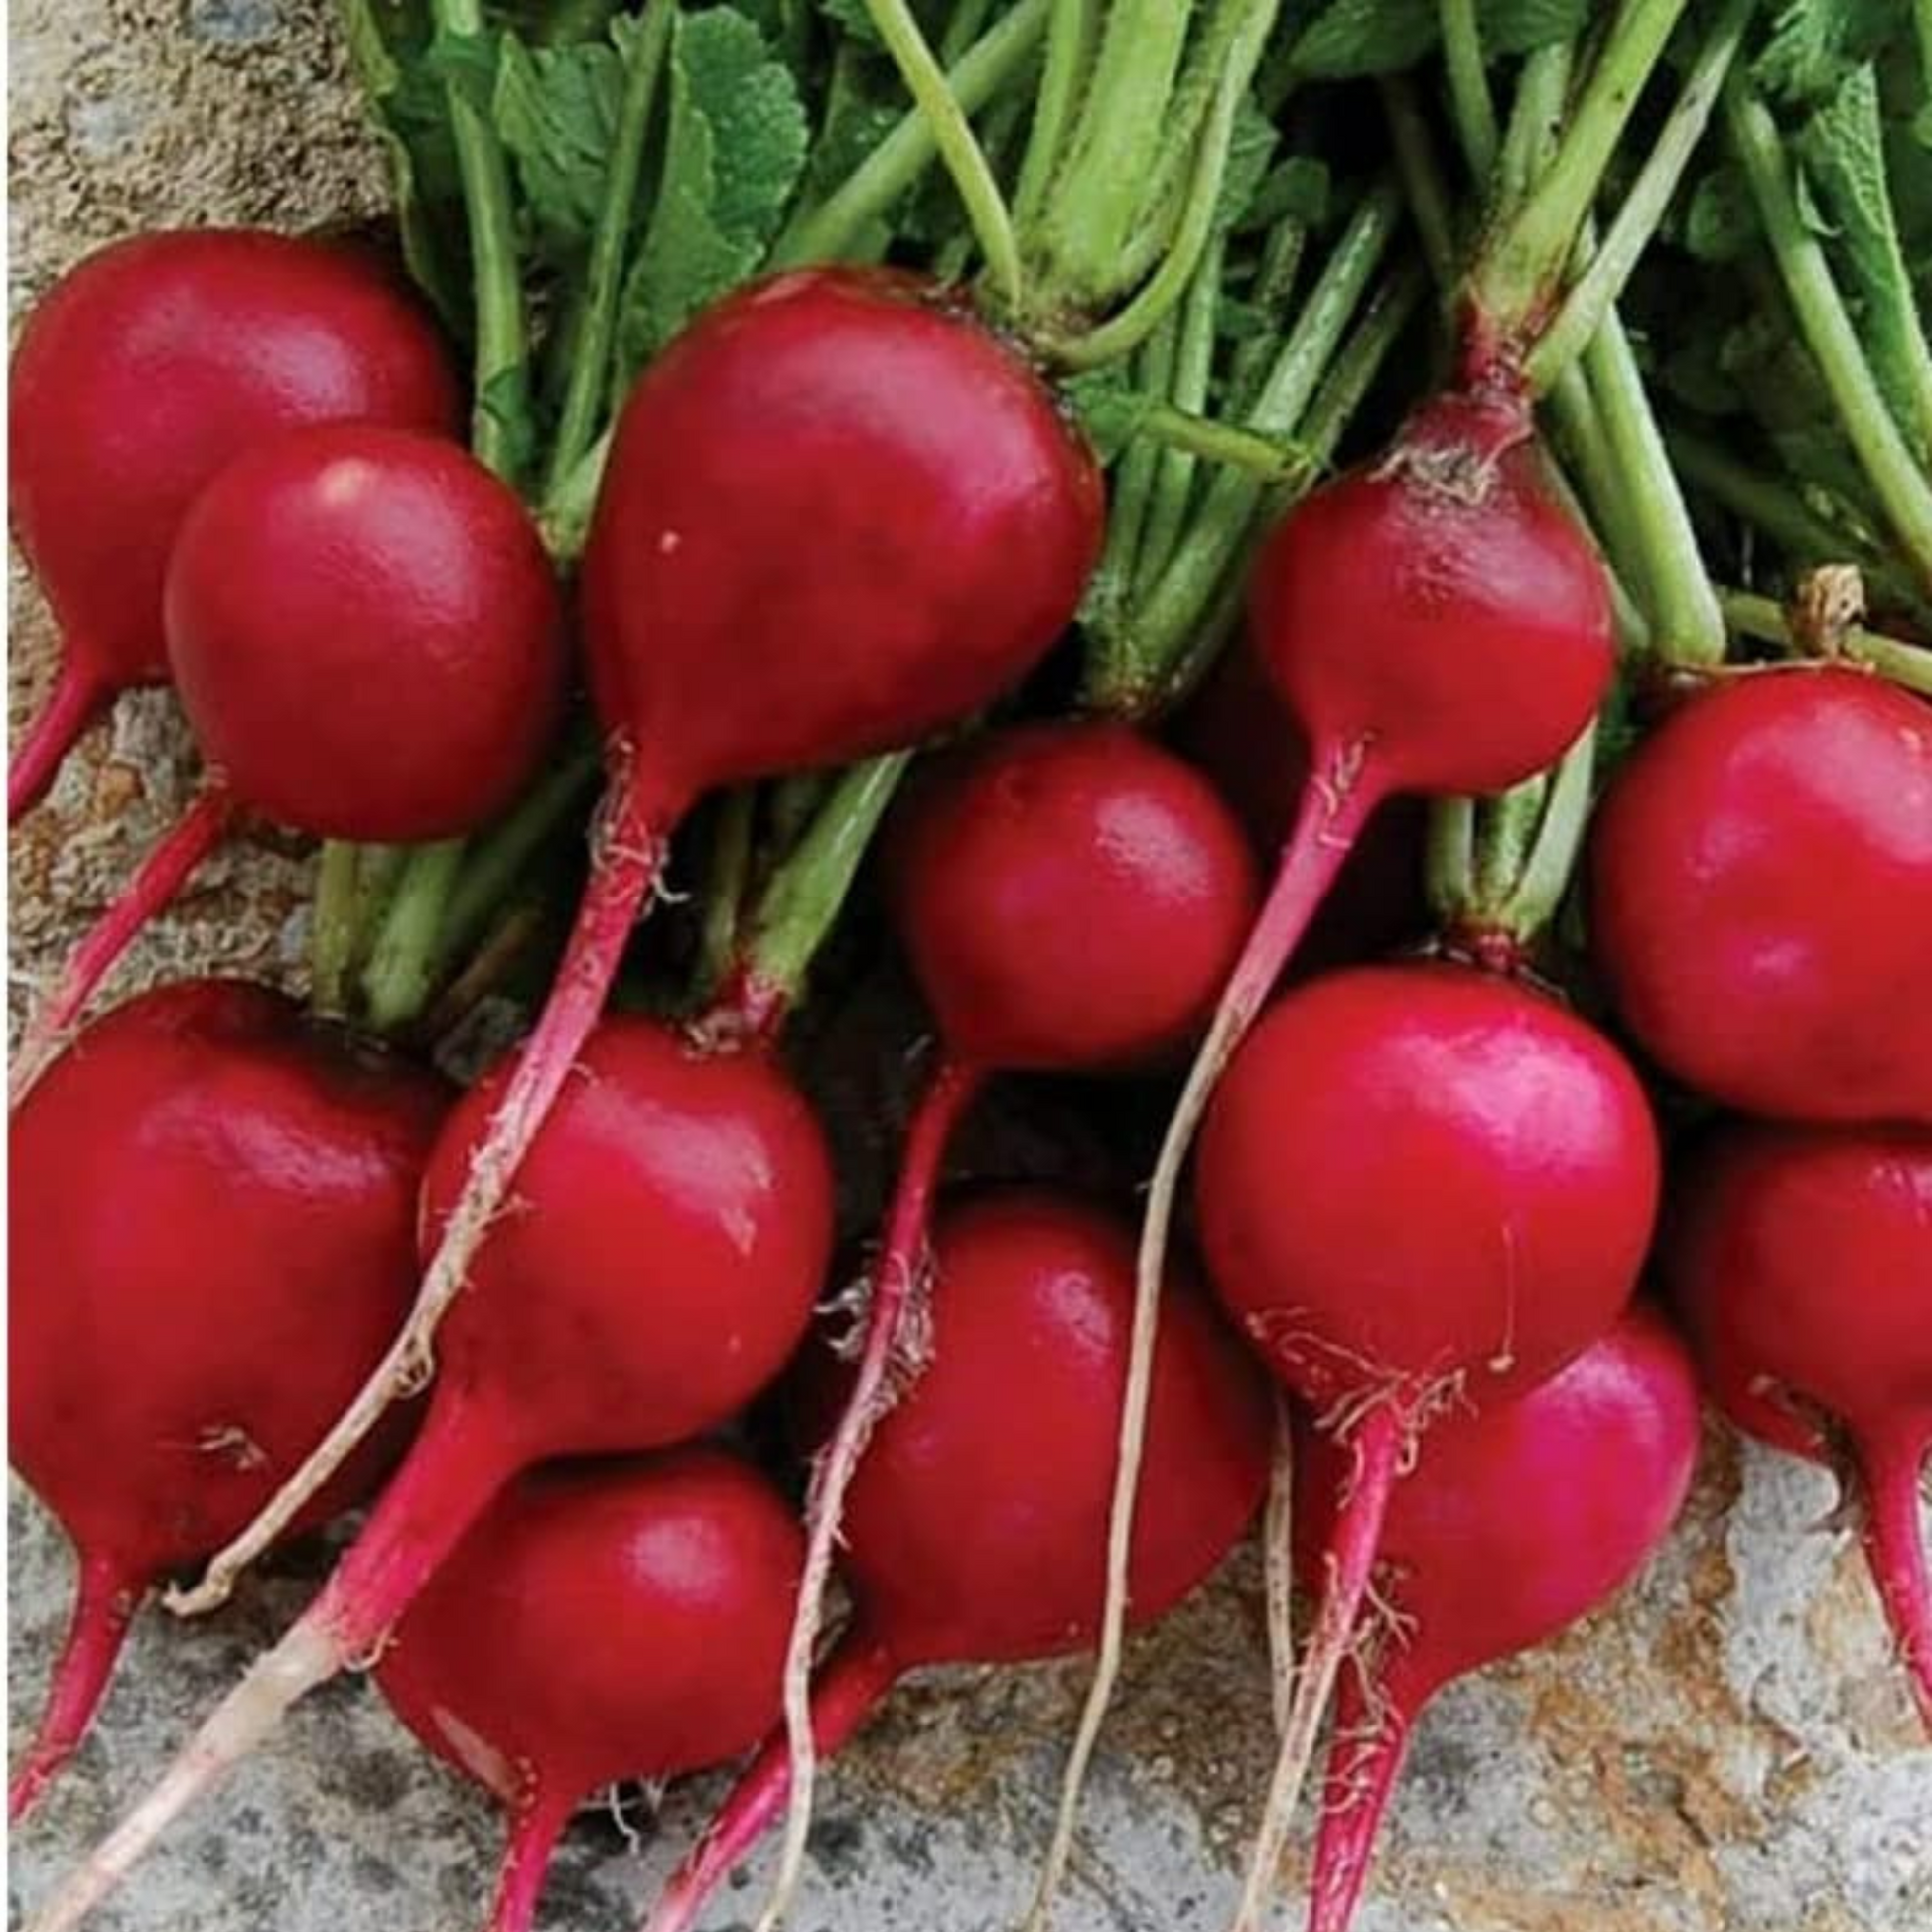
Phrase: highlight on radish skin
(602,1620)
(138,376)
(1069,896)
(1521,1149)
(836,489)
(975,1527)
(1519,1519)
(1801,1258)
(677,1230)
(1761,894)
(173,1360)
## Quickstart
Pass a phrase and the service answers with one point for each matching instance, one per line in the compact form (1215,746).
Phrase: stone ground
(1728,1752)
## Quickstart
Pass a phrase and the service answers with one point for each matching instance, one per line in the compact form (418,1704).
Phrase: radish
(141,374)
(1419,1187)
(838,512)
(1761,894)
(1522,1518)
(1071,896)
(1801,1258)
(673,1228)
(369,643)
(212,1205)
(976,1524)
(602,1621)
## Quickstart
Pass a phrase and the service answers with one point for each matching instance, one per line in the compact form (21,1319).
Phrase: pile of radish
(778,701)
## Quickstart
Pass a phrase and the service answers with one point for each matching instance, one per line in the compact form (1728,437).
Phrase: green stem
(802,902)
(333,940)
(1102,189)
(496,859)
(1192,373)
(953,136)
(1686,625)
(1589,297)
(727,871)
(1069,54)
(502,431)
(1901,485)
(1280,262)
(1517,272)
(1109,340)
(1131,488)
(1469,101)
(1544,876)
(1629,623)
(401,971)
(964,24)
(1267,458)
(1422,181)
(565,519)
(378,871)
(830,229)
(1534,120)
(1763,617)
(596,326)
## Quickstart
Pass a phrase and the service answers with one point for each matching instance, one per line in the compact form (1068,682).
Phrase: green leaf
(1522,25)
(390,44)
(1843,149)
(1251,147)
(1349,39)
(1812,42)
(734,152)
(556,108)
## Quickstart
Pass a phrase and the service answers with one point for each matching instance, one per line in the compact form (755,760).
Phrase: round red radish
(1761,895)
(1071,896)
(1522,1518)
(1801,1258)
(976,1527)
(1420,1179)
(141,374)
(670,1234)
(212,1202)
(601,1621)
(1419,1187)
(365,635)
(839,512)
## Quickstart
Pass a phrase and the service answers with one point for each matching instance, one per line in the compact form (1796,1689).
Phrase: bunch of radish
(834,498)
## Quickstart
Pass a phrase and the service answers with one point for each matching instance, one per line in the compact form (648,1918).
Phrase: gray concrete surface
(1728,1752)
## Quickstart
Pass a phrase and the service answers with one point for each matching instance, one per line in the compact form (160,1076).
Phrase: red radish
(140,375)
(1801,1258)
(212,1244)
(602,1621)
(1419,1186)
(1762,903)
(1436,623)
(976,1526)
(838,512)
(1522,1518)
(1071,896)
(369,643)
(673,1228)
